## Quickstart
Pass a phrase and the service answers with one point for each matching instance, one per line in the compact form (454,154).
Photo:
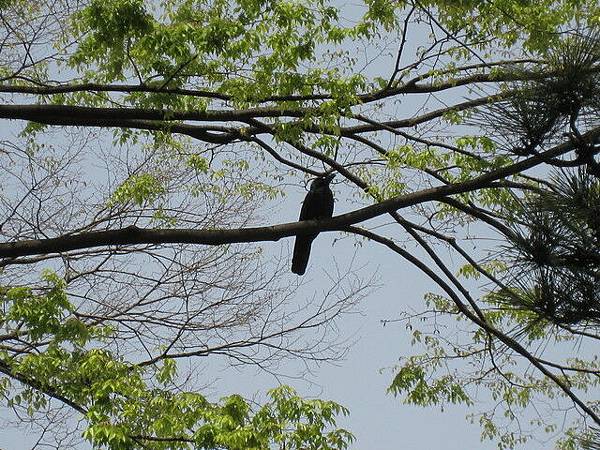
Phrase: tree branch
(134,235)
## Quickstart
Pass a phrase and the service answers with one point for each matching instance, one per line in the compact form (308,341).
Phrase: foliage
(554,269)
(123,409)
(446,117)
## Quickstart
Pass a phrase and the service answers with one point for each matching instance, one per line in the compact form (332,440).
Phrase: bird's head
(321,182)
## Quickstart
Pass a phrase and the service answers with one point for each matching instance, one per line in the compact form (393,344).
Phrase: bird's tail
(301,254)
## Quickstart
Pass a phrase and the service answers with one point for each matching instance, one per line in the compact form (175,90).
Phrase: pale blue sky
(379,421)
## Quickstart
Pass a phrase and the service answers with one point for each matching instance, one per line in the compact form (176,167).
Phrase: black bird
(318,204)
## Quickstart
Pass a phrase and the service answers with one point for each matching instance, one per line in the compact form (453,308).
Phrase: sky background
(359,381)
(378,420)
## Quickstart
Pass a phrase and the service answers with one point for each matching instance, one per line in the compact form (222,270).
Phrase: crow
(318,204)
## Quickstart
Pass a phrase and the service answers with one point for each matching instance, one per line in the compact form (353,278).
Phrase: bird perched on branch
(318,204)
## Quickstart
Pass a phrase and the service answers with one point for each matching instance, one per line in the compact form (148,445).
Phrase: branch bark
(134,235)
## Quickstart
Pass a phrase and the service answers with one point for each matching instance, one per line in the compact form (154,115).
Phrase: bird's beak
(329,177)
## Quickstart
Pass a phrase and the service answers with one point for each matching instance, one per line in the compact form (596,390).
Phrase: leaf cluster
(127,406)
(555,252)
(539,110)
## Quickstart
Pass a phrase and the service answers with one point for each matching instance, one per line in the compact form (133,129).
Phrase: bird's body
(318,204)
